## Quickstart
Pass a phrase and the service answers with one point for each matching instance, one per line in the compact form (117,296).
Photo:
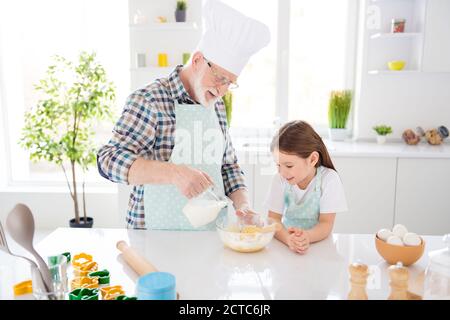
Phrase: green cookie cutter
(103,276)
(123,297)
(84,294)
(67,255)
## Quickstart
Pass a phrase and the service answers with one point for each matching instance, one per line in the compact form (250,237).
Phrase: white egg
(397,241)
(411,239)
(384,234)
(399,230)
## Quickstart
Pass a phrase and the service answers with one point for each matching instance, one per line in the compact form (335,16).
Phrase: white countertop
(205,269)
(359,149)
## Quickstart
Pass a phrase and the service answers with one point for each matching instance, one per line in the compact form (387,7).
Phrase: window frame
(281,98)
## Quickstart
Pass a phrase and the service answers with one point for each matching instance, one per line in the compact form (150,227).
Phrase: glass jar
(398,25)
(58,274)
(437,274)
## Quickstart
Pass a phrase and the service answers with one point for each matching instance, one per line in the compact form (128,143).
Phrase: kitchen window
(31,32)
(312,52)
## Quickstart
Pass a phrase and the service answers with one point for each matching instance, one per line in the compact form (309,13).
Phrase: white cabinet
(369,185)
(423,197)
(436,56)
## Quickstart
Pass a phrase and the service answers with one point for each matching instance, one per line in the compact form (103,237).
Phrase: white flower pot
(381,139)
(337,134)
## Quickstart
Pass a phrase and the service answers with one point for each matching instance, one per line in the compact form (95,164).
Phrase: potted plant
(180,12)
(382,131)
(228,102)
(338,112)
(74,98)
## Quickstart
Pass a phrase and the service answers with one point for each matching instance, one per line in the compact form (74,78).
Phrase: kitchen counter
(358,149)
(205,269)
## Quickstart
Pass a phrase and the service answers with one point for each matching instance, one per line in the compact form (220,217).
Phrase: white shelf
(152,69)
(398,35)
(166,26)
(392,72)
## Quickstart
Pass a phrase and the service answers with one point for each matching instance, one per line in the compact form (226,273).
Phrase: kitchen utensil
(60,281)
(20,224)
(22,288)
(156,286)
(124,297)
(84,282)
(204,208)
(84,294)
(4,246)
(111,292)
(83,264)
(245,237)
(103,276)
(138,263)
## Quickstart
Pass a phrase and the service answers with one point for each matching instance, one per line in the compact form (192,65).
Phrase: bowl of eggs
(246,235)
(399,245)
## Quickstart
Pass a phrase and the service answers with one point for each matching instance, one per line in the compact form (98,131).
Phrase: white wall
(55,209)
(403,101)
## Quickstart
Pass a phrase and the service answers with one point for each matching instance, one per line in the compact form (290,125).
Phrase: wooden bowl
(404,254)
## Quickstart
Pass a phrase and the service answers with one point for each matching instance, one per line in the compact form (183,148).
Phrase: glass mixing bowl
(249,234)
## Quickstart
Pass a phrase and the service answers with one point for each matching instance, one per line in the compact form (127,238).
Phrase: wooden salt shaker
(399,276)
(358,280)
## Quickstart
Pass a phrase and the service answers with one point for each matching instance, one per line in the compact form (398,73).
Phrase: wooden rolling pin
(136,262)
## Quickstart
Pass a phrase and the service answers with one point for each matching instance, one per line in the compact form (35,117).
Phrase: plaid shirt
(146,129)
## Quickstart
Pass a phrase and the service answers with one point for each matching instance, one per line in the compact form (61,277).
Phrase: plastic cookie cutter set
(23,288)
(102,275)
(84,294)
(83,264)
(111,292)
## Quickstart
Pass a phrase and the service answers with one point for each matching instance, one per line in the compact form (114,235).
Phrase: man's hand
(191,182)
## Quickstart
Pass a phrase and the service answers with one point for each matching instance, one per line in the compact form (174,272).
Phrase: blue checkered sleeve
(133,136)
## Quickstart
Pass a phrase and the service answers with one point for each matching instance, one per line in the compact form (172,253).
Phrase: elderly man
(171,141)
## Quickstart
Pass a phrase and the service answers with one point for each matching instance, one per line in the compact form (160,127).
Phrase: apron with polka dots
(304,214)
(200,144)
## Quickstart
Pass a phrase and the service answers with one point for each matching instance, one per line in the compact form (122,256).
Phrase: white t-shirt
(332,199)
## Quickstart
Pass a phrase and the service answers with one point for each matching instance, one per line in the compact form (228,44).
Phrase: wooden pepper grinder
(399,282)
(358,280)
(399,276)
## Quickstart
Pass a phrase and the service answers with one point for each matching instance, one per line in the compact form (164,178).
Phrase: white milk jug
(204,208)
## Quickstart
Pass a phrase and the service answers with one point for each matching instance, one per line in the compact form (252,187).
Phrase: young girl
(307,192)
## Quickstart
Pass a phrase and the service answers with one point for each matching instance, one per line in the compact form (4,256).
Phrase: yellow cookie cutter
(85,269)
(84,282)
(80,259)
(24,287)
(111,292)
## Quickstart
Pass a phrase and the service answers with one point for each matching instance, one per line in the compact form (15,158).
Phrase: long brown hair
(299,138)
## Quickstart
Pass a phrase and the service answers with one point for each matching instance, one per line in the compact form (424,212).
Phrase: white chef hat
(230,38)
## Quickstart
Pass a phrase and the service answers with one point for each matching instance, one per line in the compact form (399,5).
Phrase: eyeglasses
(219,79)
